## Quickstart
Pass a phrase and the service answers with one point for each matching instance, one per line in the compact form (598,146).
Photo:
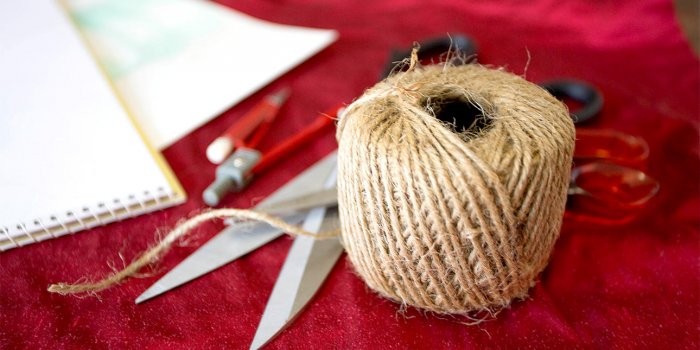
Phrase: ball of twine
(448,216)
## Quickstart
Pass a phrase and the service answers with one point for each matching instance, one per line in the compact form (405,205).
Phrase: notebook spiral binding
(84,218)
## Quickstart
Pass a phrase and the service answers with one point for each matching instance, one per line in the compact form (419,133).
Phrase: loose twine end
(414,57)
(155,253)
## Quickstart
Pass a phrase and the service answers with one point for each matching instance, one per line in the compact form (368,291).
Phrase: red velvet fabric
(629,286)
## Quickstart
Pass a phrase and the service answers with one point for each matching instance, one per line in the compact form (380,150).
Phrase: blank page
(71,156)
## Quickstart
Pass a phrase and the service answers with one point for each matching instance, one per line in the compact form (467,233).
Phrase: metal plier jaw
(233,174)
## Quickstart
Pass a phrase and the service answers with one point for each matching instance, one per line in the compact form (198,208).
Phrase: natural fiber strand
(154,254)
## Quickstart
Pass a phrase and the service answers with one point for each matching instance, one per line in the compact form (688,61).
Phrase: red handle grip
(295,142)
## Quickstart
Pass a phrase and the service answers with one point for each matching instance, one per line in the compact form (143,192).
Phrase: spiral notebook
(72,158)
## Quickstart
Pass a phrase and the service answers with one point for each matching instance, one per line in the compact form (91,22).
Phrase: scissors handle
(460,43)
(607,191)
(590,98)
(610,146)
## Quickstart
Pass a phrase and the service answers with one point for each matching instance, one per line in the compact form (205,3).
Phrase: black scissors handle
(460,43)
(586,94)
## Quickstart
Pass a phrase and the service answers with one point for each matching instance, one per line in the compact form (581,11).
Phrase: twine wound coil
(436,216)
(453,221)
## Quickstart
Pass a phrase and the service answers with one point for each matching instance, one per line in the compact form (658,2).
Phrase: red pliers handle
(237,171)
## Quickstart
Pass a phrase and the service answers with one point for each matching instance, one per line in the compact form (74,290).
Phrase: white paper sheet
(68,149)
(179,63)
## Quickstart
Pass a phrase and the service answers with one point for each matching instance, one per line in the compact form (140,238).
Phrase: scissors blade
(324,198)
(230,244)
(307,265)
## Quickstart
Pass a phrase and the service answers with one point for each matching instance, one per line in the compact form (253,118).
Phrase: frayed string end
(155,253)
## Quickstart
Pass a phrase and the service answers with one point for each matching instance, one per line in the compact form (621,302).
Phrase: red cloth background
(631,286)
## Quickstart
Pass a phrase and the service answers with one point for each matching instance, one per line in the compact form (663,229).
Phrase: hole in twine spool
(460,115)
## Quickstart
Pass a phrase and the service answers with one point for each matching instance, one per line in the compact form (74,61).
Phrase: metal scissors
(309,261)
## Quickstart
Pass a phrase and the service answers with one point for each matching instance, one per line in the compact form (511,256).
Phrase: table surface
(634,285)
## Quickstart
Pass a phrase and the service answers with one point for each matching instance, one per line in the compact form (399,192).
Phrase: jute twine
(442,219)
(453,220)
(156,252)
